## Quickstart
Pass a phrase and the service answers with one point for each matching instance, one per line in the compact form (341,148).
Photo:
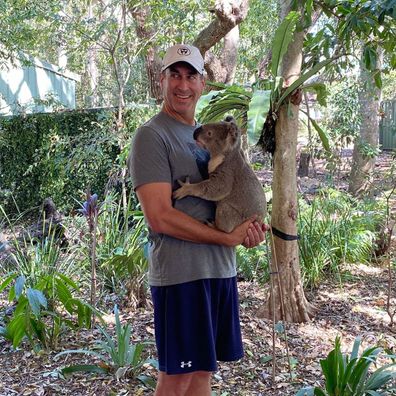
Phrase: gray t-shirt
(163,150)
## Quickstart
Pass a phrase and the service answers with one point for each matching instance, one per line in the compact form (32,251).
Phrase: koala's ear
(230,118)
(233,129)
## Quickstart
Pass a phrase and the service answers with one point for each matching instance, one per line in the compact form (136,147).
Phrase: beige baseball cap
(183,53)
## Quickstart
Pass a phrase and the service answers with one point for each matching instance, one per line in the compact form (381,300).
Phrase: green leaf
(203,102)
(282,39)
(7,281)
(16,329)
(19,283)
(68,281)
(64,295)
(301,80)
(355,348)
(319,392)
(148,381)
(324,138)
(36,299)
(381,376)
(319,89)
(370,58)
(377,79)
(257,113)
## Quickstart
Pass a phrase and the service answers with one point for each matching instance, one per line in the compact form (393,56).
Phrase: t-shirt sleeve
(148,158)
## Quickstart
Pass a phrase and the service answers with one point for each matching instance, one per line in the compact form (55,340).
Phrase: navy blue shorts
(196,324)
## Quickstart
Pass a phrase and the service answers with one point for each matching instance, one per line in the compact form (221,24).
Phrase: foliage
(350,375)
(121,237)
(336,228)
(343,117)
(256,35)
(252,264)
(60,155)
(258,107)
(41,286)
(117,356)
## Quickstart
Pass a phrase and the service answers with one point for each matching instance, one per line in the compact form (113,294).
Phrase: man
(192,270)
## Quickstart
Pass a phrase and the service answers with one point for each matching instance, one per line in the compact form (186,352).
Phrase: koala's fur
(232,183)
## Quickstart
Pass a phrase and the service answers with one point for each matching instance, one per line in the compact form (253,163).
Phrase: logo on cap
(183,51)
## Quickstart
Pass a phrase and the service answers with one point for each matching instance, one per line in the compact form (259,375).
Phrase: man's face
(182,86)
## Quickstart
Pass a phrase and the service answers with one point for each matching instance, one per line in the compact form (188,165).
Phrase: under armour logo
(186,364)
(183,51)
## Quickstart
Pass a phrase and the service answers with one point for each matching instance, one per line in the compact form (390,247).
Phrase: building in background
(32,86)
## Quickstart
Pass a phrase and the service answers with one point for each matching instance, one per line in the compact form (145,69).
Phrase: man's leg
(191,384)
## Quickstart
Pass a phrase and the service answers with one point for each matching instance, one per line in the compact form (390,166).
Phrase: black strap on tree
(282,235)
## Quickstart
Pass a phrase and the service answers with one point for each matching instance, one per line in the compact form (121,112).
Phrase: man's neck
(179,117)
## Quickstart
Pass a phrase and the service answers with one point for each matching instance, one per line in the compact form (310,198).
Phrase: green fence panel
(387,138)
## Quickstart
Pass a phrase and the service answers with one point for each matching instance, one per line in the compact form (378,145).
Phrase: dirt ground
(356,305)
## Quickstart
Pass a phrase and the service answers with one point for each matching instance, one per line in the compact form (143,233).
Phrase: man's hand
(255,234)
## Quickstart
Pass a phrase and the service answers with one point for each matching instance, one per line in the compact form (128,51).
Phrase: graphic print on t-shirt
(202,158)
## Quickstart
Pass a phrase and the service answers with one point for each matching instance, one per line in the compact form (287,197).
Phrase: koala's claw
(185,182)
(182,191)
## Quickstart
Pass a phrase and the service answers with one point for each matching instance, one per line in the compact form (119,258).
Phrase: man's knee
(173,384)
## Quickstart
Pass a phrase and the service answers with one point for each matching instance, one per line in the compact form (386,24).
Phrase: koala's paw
(183,190)
(185,182)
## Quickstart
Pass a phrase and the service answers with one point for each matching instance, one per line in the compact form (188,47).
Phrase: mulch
(354,306)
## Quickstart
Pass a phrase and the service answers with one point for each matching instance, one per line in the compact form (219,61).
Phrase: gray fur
(232,183)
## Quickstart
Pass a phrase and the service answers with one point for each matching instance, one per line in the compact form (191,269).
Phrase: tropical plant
(122,264)
(256,108)
(336,228)
(117,355)
(350,375)
(44,310)
(41,287)
(252,264)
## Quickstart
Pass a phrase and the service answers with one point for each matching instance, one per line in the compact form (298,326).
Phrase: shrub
(336,228)
(60,155)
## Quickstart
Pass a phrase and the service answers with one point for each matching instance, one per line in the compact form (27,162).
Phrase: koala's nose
(197,132)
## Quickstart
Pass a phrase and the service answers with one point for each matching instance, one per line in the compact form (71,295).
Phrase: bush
(336,228)
(60,155)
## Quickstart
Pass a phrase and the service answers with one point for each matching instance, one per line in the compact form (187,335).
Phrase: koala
(232,183)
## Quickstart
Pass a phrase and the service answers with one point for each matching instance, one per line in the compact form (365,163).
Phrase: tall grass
(336,228)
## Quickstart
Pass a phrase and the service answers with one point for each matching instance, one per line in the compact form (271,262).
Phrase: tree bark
(153,61)
(229,14)
(91,100)
(287,296)
(362,162)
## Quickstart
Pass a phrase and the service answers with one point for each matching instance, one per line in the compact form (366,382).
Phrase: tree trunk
(91,100)
(287,296)
(363,159)
(229,14)
(153,62)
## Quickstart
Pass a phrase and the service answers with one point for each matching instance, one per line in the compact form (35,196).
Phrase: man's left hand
(255,234)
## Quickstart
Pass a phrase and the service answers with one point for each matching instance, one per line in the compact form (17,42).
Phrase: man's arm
(162,217)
